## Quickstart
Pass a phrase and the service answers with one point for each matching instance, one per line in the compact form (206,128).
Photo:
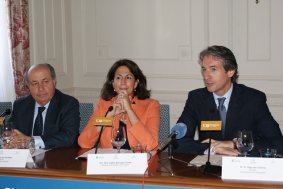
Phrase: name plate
(210,125)
(14,157)
(105,121)
(252,169)
(129,163)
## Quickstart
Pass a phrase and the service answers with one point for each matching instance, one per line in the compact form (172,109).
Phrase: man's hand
(19,135)
(223,147)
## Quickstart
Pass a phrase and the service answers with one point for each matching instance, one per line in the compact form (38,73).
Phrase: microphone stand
(208,168)
(102,127)
(169,157)
(98,140)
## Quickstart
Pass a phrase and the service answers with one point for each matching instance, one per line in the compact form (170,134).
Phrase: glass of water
(7,132)
(245,142)
(118,137)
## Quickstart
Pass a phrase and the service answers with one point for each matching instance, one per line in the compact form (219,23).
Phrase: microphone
(109,110)
(102,127)
(177,132)
(208,168)
(5,113)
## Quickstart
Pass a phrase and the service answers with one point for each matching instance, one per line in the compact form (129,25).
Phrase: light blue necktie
(222,113)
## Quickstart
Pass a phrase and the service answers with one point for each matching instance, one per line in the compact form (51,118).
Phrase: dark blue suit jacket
(247,111)
(61,127)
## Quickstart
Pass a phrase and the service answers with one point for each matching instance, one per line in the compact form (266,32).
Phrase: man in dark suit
(246,109)
(60,115)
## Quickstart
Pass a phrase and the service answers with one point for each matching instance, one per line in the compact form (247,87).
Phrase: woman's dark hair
(107,92)
(225,54)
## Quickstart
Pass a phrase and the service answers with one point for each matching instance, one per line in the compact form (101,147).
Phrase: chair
(86,110)
(164,129)
(4,106)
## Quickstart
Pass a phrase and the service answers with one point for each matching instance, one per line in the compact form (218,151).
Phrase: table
(59,168)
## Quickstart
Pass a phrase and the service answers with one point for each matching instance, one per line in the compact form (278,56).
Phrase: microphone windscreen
(180,129)
(6,112)
(110,108)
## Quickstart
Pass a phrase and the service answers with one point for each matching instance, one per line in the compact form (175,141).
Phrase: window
(7,89)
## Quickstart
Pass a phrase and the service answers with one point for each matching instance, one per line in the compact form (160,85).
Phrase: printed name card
(210,125)
(105,121)
(252,169)
(14,157)
(128,163)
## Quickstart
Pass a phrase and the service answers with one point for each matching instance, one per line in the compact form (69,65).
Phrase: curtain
(7,89)
(19,36)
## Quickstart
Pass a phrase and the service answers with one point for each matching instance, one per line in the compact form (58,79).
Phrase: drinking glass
(139,149)
(118,137)
(245,142)
(7,134)
(32,146)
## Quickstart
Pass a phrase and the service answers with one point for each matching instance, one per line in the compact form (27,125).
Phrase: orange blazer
(145,132)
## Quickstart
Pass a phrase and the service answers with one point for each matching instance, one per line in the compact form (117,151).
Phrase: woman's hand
(125,101)
(120,105)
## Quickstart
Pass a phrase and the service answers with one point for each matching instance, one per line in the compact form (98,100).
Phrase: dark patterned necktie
(222,113)
(38,123)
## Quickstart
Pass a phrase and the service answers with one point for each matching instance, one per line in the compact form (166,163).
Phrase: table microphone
(208,168)
(102,127)
(177,132)
(5,113)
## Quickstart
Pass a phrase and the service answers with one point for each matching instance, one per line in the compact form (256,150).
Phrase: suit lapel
(51,114)
(235,105)
(212,114)
(210,104)
(30,115)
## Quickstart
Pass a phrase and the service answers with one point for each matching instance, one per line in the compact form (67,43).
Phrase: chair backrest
(4,106)
(164,129)
(86,110)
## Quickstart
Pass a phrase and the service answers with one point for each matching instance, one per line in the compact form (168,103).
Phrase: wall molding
(165,95)
(195,76)
(176,100)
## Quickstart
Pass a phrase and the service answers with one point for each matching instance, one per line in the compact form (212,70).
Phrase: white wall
(82,39)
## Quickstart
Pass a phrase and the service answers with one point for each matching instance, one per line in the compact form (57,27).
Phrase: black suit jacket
(247,110)
(61,127)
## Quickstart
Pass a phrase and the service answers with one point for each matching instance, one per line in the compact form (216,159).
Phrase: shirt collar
(38,105)
(227,95)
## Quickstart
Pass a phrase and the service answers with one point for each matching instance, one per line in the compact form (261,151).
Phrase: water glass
(7,134)
(139,149)
(118,137)
(31,146)
(23,143)
(245,142)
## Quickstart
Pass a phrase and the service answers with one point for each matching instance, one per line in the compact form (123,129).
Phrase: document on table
(35,153)
(117,163)
(111,151)
(13,157)
(102,151)
(202,159)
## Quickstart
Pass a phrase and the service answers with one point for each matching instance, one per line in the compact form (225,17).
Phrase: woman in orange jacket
(126,91)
